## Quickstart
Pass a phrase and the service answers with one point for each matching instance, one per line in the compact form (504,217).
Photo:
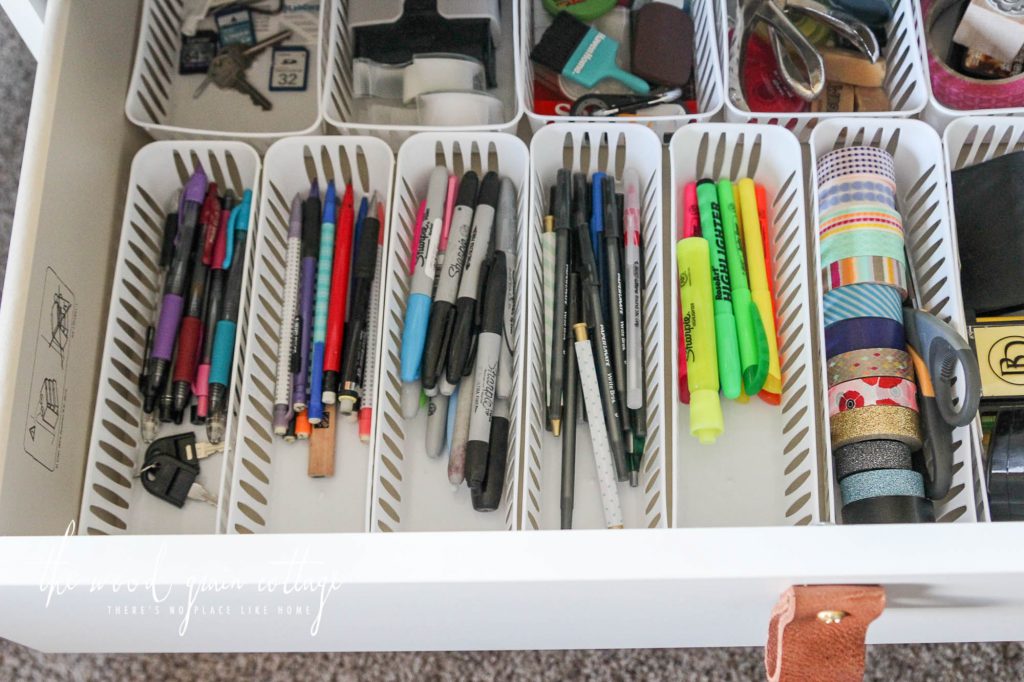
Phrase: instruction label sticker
(288,68)
(48,391)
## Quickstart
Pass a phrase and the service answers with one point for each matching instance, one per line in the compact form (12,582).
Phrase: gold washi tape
(869,362)
(876,422)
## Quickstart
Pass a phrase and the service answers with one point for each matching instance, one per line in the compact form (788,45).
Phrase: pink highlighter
(690,227)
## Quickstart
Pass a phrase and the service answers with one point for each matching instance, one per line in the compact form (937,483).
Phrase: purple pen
(288,338)
(307,286)
(189,207)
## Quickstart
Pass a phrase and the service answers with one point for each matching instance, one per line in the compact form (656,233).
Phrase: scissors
(807,82)
(937,350)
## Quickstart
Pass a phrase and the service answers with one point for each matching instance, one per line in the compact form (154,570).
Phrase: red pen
(690,227)
(214,296)
(339,297)
(370,372)
(762,214)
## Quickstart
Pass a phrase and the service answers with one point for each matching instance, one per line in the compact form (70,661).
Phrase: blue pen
(357,233)
(324,269)
(417,310)
(597,236)
(227,325)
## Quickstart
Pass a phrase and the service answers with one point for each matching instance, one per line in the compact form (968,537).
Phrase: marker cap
(706,422)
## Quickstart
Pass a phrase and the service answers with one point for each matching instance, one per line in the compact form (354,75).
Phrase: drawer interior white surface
(394,591)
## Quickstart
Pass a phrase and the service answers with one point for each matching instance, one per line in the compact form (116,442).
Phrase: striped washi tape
(859,217)
(865,270)
(862,300)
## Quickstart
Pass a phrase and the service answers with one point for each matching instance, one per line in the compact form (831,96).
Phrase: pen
(616,294)
(214,299)
(370,370)
(437,423)
(693,260)
(321,305)
(283,392)
(725,322)
(596,235)
(303,428)
(461,343)
(190,333)
(592,299)
(460,433)
(359,310)
(364,208)
(569,436)
(340,270)
(759,290)
(749,332)
(561,210)
(547,249)
(634,292)
(189,208)
(307,294)
(417,309)
(449,210)
(224,337)
(449,434)
(688,227)
(488,353)
(442,312)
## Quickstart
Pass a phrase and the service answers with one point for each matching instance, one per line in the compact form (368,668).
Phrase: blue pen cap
(223,350)
(596,202)
(330,204)
(414,335)
(238,220)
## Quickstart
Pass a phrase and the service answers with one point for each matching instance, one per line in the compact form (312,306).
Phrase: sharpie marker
(307,292)
(321,309)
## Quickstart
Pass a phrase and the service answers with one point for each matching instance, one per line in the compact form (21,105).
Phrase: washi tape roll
(881,483)
(865,270)
(857,393)
(869,455)
(876,422)
(862,300)
(859,333)
(846,192)
(853,160)
(870,362)
(863,242)
(850,217)
(889,509)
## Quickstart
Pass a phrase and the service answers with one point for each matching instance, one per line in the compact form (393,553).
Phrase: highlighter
(749,330)
(725,323)
(690,227)
(698,330)
(757,270)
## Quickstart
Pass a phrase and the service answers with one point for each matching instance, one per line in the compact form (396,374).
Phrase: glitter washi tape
(869,455)
(881,483)
(889,509)
(876,422)
(857,393)
(865,270)
(858,333)
(870,362)
(862,300)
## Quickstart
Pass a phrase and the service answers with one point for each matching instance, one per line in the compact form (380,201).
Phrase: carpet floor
(911,663)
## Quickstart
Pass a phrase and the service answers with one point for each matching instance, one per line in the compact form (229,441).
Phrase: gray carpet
(905,663)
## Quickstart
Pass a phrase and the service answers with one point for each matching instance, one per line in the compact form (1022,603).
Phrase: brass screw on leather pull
(830,617)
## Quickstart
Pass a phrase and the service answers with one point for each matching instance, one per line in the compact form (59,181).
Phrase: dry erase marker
(758,272)
(698,331)
(725,322)
(283,388)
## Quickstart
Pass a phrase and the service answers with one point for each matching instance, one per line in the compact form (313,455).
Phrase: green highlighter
(729,376)
(749,329)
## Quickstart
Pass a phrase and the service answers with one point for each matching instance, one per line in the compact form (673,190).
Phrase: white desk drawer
(468,590)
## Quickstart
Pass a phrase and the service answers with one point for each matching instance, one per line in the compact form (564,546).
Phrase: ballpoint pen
(189,208)
(417,308)
(363,270)
(749,331)
(612,238)
(165,404)
(461,343)
(488,353)
(224,339)
(370,369)
(561,210)
(758,273)
(568,495)
(596,214)
(548,259)
(190,333)
(214,299)
(364,210)
(336,312)
(321,305)
(442,313)
(307,294)
(592,299)
(283,389)
(634,292)
(688,227)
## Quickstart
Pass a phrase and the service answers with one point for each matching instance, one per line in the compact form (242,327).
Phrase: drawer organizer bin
(270,488)
(706,72)
(350,115)
(410,490)
(114,500)
(764,468)
(931,249)
(160,99)
(590,148)
(904,77)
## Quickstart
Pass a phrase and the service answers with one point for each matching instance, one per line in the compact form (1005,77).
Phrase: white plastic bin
(590,148)
(270,488)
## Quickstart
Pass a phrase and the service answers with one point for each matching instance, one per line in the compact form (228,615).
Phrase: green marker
(749,328)
(725,324)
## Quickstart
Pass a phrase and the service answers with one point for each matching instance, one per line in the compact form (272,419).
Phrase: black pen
(560,211)
(485,374)
(616,292)
(592,301)
(442,310)
(571,392)
(364,267)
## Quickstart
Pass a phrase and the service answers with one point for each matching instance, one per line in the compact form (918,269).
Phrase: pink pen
(416,230)
(690,227)
(449,209)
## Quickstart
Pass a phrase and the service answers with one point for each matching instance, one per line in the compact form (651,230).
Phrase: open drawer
(373,591)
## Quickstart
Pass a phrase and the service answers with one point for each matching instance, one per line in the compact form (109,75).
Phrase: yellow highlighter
(758,274)
(693,258)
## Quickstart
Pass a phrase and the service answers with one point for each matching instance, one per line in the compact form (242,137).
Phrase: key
(169,478)
(227,70)
(184,447)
